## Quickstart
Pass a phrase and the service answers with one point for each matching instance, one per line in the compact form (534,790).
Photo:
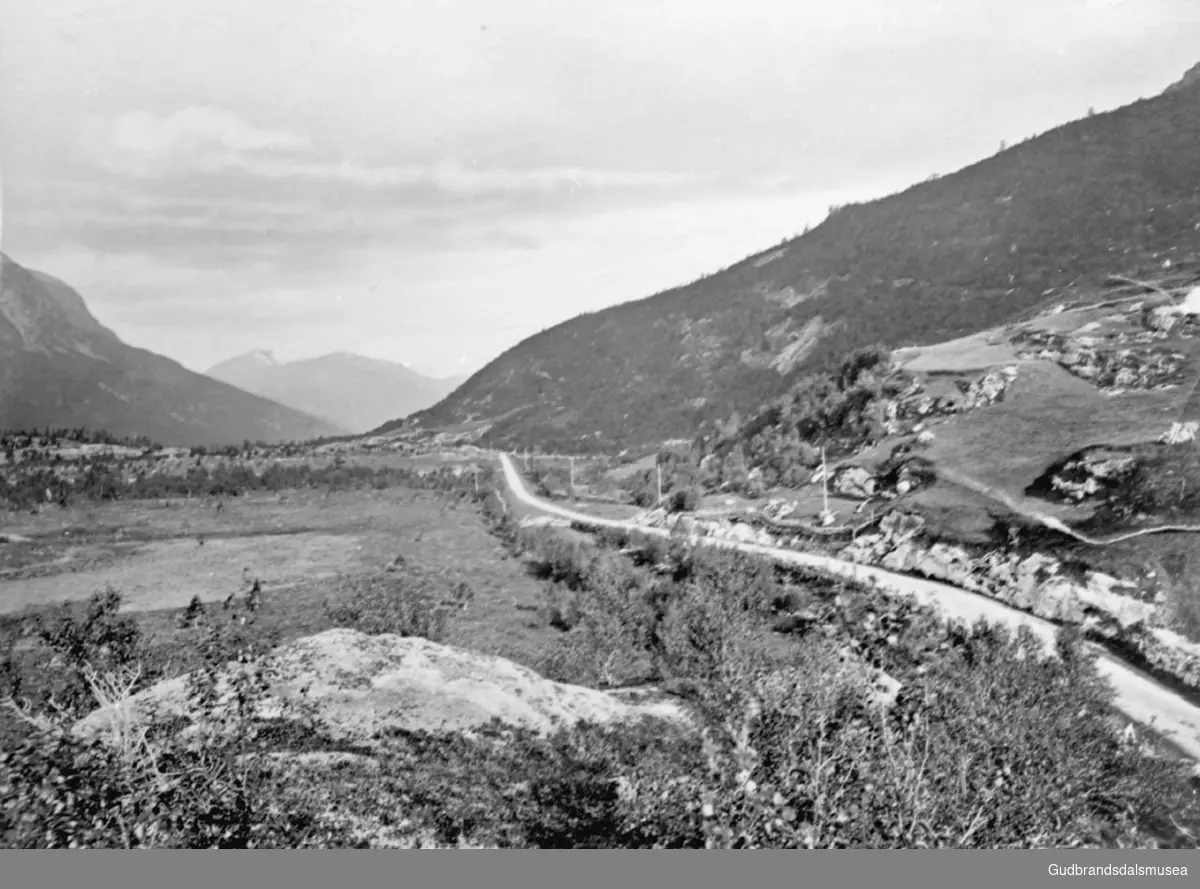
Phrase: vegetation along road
(1137,696)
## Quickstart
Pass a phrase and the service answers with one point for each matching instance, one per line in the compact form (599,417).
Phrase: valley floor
(305,548)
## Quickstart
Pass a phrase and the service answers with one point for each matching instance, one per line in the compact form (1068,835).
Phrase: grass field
(976,352)
(312,550)
(304,547)
(1047,415)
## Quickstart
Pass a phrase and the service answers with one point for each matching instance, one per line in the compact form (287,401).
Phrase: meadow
(980,747)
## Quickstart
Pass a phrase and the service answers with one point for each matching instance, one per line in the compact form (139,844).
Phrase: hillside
(350,391)
(1190,79)
(1113,193)
(60,367)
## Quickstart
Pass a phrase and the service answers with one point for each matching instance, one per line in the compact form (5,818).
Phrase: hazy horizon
(431,183)
(280,361)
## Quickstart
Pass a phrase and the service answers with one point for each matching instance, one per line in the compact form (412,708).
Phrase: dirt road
(1139,697)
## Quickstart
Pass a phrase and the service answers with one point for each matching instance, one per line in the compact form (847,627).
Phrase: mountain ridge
(1111,193)
(1191,78)
(60,367)
(353,391)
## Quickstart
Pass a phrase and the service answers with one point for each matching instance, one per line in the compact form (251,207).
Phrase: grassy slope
(1111,193)
(1046,416)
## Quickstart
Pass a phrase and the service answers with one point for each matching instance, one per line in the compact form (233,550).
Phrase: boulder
(854,481)
(902,558)
(866,548)
(1163,318)
(654,518)
(357,685)
(686,525)
(989,389)
(924,406)
(765,538)
(1180,433)
(544,521)
(798,622)
(739,532)
(1102,595)
(1058,600)
(900,526)
(944,562)
(1173,654)
(883,690)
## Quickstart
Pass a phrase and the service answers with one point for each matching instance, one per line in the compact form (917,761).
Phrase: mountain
(60,367)
(351,391)
(1190,79)
(1117,192)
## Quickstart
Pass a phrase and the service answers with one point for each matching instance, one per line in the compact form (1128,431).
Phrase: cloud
(142,143)
(458,173)
(215,142)
(457,178)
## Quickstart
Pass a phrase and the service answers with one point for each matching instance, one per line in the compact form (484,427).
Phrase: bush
(987,744)
(684,500)
(398,605)
(136,786)
(1164,482)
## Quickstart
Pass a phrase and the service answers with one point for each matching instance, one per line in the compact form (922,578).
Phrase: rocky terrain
(1115,364)
(360,685)
(1128,612)
(1125,611)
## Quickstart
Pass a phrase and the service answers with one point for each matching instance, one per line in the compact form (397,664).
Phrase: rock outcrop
(1180,433)
(356,685)
(907,412)
(1091,474)
(1037,584)
(1113,363)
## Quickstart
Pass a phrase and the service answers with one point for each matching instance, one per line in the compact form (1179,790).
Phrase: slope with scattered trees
(951,256)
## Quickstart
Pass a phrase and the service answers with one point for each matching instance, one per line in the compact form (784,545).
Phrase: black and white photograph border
(659,425)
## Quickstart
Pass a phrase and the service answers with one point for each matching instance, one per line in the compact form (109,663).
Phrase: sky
(431,182)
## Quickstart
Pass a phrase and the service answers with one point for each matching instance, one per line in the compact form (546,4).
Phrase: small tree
(193,614)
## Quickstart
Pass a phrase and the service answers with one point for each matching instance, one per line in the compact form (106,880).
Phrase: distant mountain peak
(255,360)
(353,391)
(61,367)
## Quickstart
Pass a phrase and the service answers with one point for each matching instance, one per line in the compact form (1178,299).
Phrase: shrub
(392,605)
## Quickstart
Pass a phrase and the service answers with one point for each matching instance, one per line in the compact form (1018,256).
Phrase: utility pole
(658,476)
(572,459)
(826,515)
(824,480)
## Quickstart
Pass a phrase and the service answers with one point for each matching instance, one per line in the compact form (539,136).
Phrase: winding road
(1139,697)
